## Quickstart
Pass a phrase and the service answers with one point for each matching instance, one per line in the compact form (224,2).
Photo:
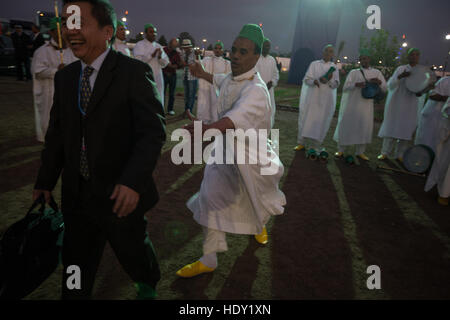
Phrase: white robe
(207,94)
(121,46)
(440,171)
(143,51)
(430,117)
(401,109)
(317,105)
(267,68)
(44,65)
(355,124)
(236,198)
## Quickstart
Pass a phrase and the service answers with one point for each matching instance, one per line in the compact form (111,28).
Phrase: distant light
(204,40)
(126,12)
(447,37)
(124,19)
(380,62)
(345,58)
(41,14)
(260,24)
(359,62)
(404,36)
(434,68)
(339,61)
(405,44)
(38,12)
(127,32)
(441,67)
(284,69)
(142,33)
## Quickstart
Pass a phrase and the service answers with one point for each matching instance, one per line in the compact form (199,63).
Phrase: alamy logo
(374,281)
(374,21)
(74,19)
(240,147)
(74,280)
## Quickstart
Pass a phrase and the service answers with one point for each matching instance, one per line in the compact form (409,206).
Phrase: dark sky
(425,22)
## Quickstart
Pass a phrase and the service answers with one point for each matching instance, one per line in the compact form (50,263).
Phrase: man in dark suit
(22,43)
(38,39)
(105,134)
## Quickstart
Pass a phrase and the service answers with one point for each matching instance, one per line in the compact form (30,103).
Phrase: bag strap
(360,69)
(41,201)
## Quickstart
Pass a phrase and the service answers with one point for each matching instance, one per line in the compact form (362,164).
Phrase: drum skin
(419,79)
(418,159)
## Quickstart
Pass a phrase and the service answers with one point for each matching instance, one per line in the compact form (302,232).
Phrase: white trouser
(400,147)
(213,241)
(359,148)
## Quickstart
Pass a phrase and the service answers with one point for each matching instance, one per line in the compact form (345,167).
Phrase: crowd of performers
(100,110)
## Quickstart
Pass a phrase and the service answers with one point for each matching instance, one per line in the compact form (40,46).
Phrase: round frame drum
(419,79)
(418,159)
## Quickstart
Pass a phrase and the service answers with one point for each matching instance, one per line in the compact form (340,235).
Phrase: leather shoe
(193,269)
(262,238)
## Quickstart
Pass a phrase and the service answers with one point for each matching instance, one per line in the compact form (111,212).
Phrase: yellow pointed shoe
(193,269)
(443,201)
(382,157)
(262,238)
(299,147)
(363,157)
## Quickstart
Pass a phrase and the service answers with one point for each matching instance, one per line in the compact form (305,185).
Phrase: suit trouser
(400,147)
(171,82)
(25,61)
(86,231)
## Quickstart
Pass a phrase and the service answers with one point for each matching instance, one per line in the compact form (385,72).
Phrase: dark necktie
(85,95)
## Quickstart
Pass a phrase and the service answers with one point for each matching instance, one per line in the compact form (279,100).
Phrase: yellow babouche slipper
(193,269)
(443,201)
(299,147)
(262,238)
(363,157)
(382,157)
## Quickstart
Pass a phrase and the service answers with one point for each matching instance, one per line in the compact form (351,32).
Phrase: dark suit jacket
(125,130)
(37,42)
(21,44)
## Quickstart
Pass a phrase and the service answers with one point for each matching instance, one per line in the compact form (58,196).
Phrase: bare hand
(126,200)
(196,69)
(37,193)
(316,83)
(269,85)
(323,80)
(360,84)
(157,51)
(62,65)
(330,76)
(376,80)
(405,74)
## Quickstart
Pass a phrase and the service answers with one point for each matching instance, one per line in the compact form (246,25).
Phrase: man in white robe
(151,52)
(440,172)
(237,198)
(46,62)
(120,44)
(401,111)
(430,116)
(355,124)
(207,94)
(268,70)
(317,101)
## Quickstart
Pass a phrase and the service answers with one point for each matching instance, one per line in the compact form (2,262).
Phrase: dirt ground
(339,219)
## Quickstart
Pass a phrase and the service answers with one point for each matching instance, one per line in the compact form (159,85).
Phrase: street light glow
(124,19)
(447,37)
(127,32)
(404,45)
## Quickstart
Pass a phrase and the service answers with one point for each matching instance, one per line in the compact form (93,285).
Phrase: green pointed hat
(148,25)
(364,52)
(53,23)
(220,43)
(413,50)
(254,33)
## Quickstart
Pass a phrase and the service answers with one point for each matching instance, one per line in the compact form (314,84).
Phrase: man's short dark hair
(103,12)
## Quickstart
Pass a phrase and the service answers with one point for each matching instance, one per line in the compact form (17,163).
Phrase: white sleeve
(41,68)
(250,110)
(310,75)
(228,66)
(350,81)
(140,54)
(218,80)
(393,81)
(276,74)
(383,85)
(164,61)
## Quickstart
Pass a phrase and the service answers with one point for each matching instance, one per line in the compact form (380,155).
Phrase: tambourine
(419,79)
